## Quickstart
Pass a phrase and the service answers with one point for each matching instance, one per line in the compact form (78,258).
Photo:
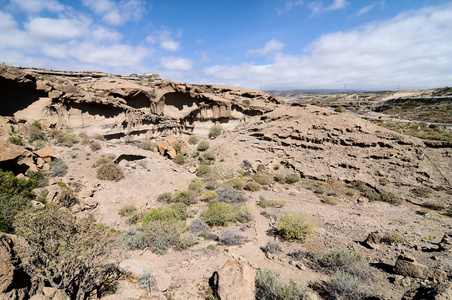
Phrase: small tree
(70,255)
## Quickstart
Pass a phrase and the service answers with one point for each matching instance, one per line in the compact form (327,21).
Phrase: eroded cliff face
(115,106)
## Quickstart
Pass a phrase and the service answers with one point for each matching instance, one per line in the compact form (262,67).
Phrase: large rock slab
(236,281)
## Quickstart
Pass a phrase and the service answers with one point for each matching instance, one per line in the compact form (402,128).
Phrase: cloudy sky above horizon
(257,44)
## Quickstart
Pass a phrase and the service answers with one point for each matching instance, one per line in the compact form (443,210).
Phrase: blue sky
(281,45)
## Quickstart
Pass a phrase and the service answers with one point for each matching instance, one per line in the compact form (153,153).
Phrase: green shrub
(296,226)
(177,213)
(215,131)
(338,259)
(16,140)
(127,210)
(147,280)
(203,171)
(271,247)
(203,146)
(193,139)
(207,157)
(270,203)
(196,186)
(66,197)
(236,183)
(338,109)
(94,146)
(219,214)
(329,200)
(185,243)
(104,160)
(148,144)
(185,197)
(35,132)
(211,247)
(292,178)
(269,287)
(390,198)
(209,196)
(162,235)
(84,138)
(280,178)
(242,215)
(179,159)
(109,171)
(252,186)
(262,179)
(69,140)
(165,197)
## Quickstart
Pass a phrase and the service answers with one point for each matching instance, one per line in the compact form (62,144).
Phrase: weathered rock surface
(236,281)
(446,242)
(441,291)
(406,265)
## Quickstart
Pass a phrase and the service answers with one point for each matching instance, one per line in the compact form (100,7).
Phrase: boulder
(446,242)
(184,150)
(406,265)
(6,266)
(236,281)
(162,146)
(373,239)
(171,140)
(46,154)
(171,152)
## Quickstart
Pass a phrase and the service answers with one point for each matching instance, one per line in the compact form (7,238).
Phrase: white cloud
(289,5)
(318,7)
(176,63)
(36,6)
(165,39)
(412,49)
(368,8)
(102,34)
(271,47)
(117,13)
(58,29)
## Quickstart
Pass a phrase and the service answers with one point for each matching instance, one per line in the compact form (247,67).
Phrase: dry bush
(297,226)
(269,287)
(109,171)
(84,138)
(329,200)
(165,198)
(94,146)
(292,178)
(215,131)
(228,195)
(271,247)
(338,259)
(231,237)
(270,203)
(148,144)
(203,171)
(262,179)
(127,210)
(252,186)
(57,168)
(193,139)
(203,146)
(179,159)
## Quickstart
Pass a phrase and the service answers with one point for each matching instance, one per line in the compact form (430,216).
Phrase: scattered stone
(446,242)
(439,275)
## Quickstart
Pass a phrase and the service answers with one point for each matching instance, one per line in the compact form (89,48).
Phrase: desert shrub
(421,191)
(209,196)
(338,109)
(94,146)
(329,200)
(180,209)
(435,205)
(57,135)
(196,186)
(148,144)
(337,259)
(422,211)
(271,247)
(39,144)
(296,226)
(148,280)
(215,131)
(236,183)
(292,178)
(269,287)
(57,168)
(109,171)
(165,197)
(35,132)
(203,146)
(276,167)
(231,237)
(16,140)
(343,286)
(127,210)
(185,243)
(83,137)
(37,178)
(242,215)
(261,169)
(247,164)
(392,238)
(211,247)
(252,186)
(198,225)
(390,198)
(228,195)
(262,179)
(203,171)
(270,203)
(66,197)
(219,214)
(179,159)
(319,189)
(165,214)
(280,178)
(207,157)
(104,160)
(269,215)
(128,139)
(185,197)
(366,190)
(162,235)
(99,137)
(178,146)
(135,239)
(69,140)
(193,139)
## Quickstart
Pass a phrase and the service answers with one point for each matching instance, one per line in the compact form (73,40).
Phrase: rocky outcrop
(236,281)
(442,291)
(406,265)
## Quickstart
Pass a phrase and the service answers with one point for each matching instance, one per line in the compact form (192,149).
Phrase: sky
(256,44)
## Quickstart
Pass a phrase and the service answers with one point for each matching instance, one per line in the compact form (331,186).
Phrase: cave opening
(16,96)
(139,101)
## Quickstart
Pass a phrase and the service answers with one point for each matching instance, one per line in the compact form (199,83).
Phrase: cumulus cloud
(288,6)
(36,6)
(412,49)
(58,29)
(176,63)
(270,48)
(117,13)
(318,7)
